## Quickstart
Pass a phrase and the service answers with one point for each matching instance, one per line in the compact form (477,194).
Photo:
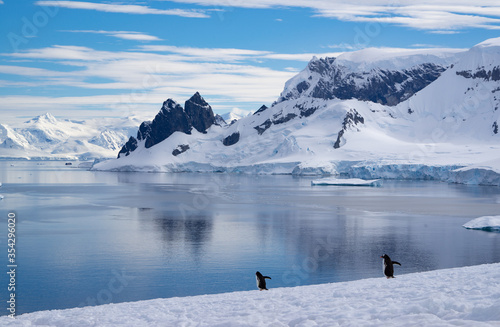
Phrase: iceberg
(487,223)
(347,182)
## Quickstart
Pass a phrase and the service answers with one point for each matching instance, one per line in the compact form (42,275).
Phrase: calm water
(86,238)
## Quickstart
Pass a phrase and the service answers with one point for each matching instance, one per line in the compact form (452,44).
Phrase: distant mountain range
(372,113)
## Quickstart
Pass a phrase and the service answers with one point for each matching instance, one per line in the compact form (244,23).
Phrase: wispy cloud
(124,9)
(342,46)
(233,55)
(439,15)
(126,35)
(206,54)
(143,78)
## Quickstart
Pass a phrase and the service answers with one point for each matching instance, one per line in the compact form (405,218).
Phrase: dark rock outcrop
(284,119)
(490,75)
(130,146)
(231,139)
(261,109)
(388,87)
(495,127)
(351,119)
(199,112)
(263,127)
(305,111)
(180,149)
(172,118)
(219,121)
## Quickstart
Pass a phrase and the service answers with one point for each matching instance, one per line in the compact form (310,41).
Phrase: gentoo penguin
(389,266)
(261,281)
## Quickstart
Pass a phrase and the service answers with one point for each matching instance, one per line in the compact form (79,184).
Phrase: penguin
(389,266)
(261,281)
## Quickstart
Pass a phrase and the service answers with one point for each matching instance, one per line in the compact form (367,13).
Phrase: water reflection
(193,230)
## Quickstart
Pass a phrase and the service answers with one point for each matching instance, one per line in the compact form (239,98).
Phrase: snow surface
(489,223)
(467,296)
(347,182)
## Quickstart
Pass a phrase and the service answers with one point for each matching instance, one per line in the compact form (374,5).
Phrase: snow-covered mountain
(235,114)
(45,137)
(370,113)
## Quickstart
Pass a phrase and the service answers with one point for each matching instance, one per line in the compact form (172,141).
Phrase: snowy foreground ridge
(468,296)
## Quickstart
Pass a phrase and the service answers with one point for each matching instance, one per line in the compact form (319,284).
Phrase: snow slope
(442,123)
(45,137)
(453,297)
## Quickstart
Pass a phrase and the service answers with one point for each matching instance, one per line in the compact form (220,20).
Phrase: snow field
(466,296)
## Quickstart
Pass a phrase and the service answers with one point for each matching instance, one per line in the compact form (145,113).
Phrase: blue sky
(81,59)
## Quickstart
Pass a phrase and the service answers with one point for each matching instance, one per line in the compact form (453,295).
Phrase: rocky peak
(385,76)
(173,118)
(199,112)
(326,79)
(322,66)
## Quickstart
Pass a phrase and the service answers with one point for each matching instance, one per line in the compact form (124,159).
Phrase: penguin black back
(389,266)
(261,281)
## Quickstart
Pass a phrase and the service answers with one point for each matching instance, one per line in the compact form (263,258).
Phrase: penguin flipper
(267,277)
(396,263)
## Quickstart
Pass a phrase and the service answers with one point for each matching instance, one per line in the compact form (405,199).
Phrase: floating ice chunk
(1,197)
(487,223)
(347,182)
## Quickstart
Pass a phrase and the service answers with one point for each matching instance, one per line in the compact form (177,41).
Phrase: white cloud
(124,9)
(126,35)
(206,54)
(299,56)
(143,79)
(342,46)
(438,15)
